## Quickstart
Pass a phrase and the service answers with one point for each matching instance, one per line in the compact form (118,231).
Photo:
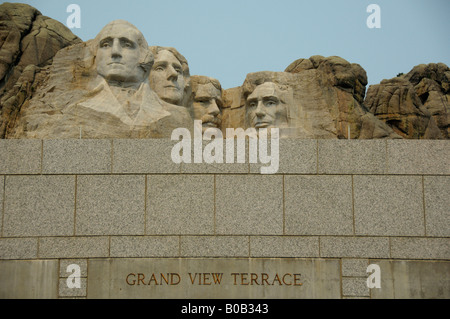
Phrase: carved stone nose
(213,109)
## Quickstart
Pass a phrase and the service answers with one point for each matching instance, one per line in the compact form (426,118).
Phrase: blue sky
(228,39)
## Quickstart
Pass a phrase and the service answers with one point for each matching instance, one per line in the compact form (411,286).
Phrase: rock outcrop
(54,85)
(327,100)
(28,42)
(416,105)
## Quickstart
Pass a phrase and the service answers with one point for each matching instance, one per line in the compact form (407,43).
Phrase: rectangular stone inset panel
(39,206)
(356,287)
(65,291)
(354,267)
(401,279)
(296,156)
(20,156)
(144,246)
(144,156)
(64,263)
(180,204)
(420,248)
(437,205)
(28,279)
(214,246)
(18,248)
(73,247)
(71,156)
(214,278)
(352,156)
(389,206)
(354,247)
(110,205)
(284,246)
(431,157)
(249,204)
(318,205)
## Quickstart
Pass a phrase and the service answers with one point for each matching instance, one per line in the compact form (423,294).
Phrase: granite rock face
(28,42)
(415,105)
(324,98)
(54,85)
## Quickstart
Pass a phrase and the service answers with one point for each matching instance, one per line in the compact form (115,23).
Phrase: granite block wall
(354,201)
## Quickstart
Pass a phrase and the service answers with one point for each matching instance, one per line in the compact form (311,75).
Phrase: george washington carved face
(123,58)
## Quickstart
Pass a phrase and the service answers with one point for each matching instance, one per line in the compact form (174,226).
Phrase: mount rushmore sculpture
(117,86)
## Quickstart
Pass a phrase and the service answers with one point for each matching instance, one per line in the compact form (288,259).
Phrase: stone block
(284,246)
(352,156)
(389,206)
(407,279)
(144,246)
(318,205)
(64,263)
(39,206)
(249,204)
(73,247)
(354,247)
(28,279)
(144,156)
(18,248)
(296,156)
(437,205)
(427,157)
(110,205)
(65,291)
(20,156)
(72,156)
(356,287)
(219,168)
(354,267)
(420,248)
(214,246)
(182,205)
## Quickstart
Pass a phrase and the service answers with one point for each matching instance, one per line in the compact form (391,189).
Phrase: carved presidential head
(206,101)
(122,54)
(169,75)
(266,106)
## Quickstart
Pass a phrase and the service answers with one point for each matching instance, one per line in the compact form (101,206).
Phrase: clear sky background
(228,39)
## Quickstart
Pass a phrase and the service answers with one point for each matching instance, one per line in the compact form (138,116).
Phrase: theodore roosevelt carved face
(206,101)
(123,58)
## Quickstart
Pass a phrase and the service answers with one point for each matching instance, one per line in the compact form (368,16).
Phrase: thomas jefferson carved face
(119,54)
(264,108)
(167,79)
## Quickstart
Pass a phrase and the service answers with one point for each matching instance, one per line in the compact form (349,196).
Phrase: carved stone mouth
(209,124)
(262,124)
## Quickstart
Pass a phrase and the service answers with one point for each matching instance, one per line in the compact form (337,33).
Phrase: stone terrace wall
(351,201)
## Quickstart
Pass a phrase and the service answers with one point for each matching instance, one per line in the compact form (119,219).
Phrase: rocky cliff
(28,43)
(45,69)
